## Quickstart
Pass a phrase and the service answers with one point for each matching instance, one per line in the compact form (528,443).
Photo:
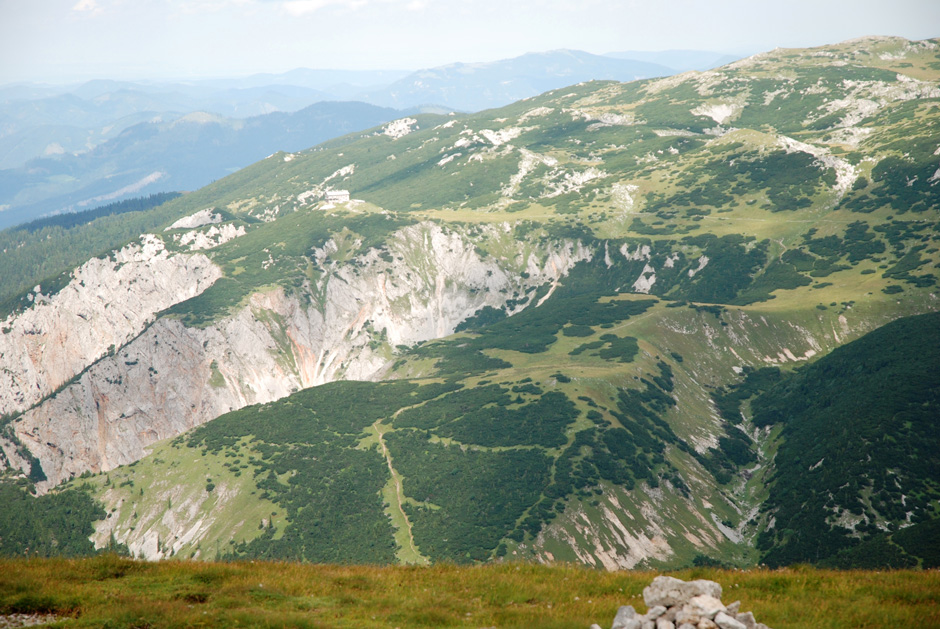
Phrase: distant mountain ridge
(477,86)
(679,60)
(184,153)
(34,117)
(63,149)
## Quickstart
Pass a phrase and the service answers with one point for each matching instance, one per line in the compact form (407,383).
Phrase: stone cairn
(677,604)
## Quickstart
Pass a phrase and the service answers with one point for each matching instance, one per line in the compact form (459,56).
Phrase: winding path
(399,493)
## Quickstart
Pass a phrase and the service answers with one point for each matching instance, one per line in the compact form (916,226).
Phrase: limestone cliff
(106,303)
(344,325)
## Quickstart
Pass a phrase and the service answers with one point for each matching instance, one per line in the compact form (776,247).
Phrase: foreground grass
(115,592)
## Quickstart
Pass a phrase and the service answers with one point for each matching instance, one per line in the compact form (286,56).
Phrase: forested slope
(570,329)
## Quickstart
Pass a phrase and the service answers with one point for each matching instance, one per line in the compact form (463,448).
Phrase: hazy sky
(66,40)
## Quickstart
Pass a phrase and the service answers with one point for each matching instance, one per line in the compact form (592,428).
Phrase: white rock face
(501,136)
(574,181)
(399,128)
(151,390)
(702,263)
(535,113)
(199,219)
(446,160)
(622,194)
(720,112)
(210,238)
(642,252)
(846,173)
(107,303)
(865,98)
(172,378)
(645,282)
(528,162)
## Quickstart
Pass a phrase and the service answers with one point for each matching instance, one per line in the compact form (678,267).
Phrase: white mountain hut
(336,196)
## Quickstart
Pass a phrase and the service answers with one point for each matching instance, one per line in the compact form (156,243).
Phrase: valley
(590,326)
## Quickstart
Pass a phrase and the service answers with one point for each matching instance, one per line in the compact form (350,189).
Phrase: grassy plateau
(109,591)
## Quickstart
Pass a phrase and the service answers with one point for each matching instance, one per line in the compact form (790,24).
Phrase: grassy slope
(662,181)
(159,497)
(118,593)
(682,182)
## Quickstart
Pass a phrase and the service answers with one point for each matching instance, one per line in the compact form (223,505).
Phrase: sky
(63,41)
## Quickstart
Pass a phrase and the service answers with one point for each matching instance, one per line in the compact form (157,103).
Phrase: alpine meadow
(683,323)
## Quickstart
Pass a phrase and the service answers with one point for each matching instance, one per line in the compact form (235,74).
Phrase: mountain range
(182,154)
(679,60)
(73,148)
(660,323)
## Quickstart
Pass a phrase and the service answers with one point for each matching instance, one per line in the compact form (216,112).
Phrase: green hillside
(681,348)
(860,439)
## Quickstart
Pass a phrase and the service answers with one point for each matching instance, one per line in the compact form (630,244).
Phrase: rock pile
(677,604)
(10,621)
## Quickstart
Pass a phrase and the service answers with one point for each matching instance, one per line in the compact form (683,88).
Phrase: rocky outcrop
(345,325)
(8,621)
(676,604)
(625,529)
(107,302)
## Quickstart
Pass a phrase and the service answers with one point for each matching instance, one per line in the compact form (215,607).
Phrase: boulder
(669,591)
(725,621)
(655,612)
(704,606)
(687,616)
(626,618)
